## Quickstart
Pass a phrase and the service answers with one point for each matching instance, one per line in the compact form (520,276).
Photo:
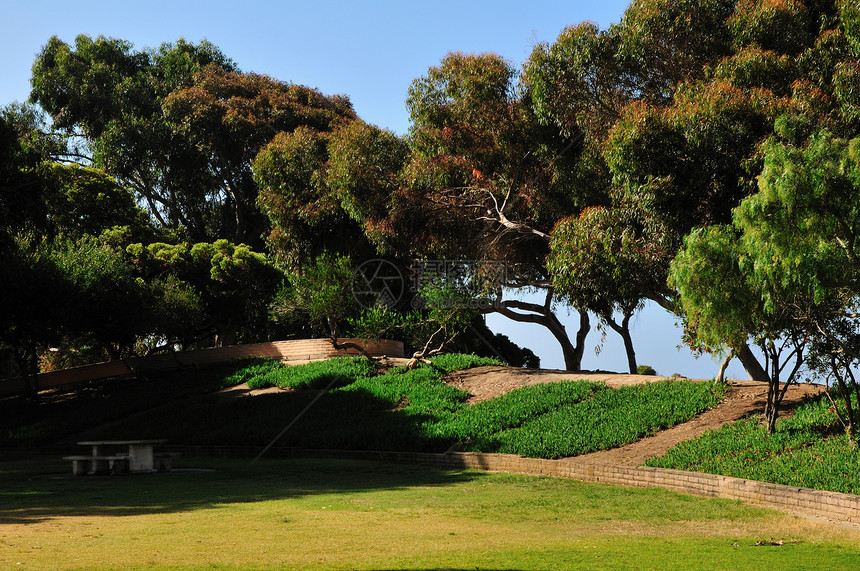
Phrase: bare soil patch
(744,398)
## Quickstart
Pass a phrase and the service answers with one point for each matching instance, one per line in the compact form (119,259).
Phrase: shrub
(645,370)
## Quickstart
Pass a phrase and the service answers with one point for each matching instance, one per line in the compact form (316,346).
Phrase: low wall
(843,508)
(294,350)
(832,506)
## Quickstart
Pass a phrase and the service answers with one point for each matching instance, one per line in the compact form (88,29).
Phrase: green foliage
(807,196)
(849,16)
(85,200)
(780,26)
(316,375)
(304,210)
(611,418)
(320,293)
(479,423)
(806,450)
(365,171)
(419,394)
(231,283)
(753,67)
(379,322)
(178,124)
(716,301)
(645,370)
(666,42)
(251,370)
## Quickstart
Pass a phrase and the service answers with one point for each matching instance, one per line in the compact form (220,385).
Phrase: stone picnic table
(134,456)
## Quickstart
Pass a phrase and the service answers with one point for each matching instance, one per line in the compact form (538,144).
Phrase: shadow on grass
(340,420)
(30,494)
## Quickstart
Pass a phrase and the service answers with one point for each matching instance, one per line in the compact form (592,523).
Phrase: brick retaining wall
(833,506)
(844,508)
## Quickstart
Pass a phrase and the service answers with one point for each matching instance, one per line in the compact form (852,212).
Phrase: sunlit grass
(302,514)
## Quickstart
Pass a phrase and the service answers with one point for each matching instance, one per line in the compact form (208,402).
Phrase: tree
(58,281)
(179,125)
(230,117)
(729,300)
(607,267)
(801,234)
(83,201)
(233,283)
(99,297)
(319,295)
(306,213)
(679,96)
(480,181)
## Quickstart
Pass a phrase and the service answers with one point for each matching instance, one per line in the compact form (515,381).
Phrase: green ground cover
(808,449)
(326,514)
(416,410)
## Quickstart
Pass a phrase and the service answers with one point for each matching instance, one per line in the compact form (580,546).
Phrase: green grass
(808,449)
(321,514)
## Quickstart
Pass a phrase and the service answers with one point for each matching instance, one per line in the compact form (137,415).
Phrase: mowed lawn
(327,514)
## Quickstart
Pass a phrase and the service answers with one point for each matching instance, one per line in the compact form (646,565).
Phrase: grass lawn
(325,514)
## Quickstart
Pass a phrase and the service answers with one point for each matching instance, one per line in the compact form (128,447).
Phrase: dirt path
(745,397)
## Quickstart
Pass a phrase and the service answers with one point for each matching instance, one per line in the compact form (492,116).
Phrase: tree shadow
(336,420)
(352,419)
(30,496)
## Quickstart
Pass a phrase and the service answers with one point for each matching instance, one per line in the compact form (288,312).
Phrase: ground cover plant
(328,514)
(274,373)
(607,418)
(415,410)
(808,449)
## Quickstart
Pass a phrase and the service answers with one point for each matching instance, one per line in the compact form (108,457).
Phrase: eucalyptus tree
(178,124)
(687,92)
(478,179)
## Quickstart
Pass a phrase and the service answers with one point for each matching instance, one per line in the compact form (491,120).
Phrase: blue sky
(370,51)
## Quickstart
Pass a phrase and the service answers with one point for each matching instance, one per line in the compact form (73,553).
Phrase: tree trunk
(28,364)
(543,315)
(623,329)
(753,368)
(582,332)
(721,373)
(226,335)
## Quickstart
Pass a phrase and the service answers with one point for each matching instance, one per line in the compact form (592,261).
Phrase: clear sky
(369,51)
